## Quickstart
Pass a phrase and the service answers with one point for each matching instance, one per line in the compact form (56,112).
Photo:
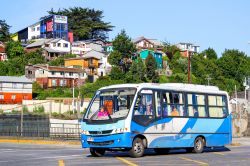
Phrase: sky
(219,24)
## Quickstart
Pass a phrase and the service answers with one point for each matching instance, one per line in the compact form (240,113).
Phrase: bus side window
(165,108)
(217,106)
(158,104)
(196,105)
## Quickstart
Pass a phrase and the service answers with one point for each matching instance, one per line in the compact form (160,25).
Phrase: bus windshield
(110,104)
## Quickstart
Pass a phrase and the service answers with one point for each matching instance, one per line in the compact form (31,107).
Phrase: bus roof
(171,86)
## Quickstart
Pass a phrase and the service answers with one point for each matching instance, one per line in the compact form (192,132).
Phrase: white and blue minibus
(135,117)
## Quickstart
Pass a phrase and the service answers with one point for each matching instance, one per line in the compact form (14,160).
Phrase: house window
(58,44)
(33,29)
(52,73)
(62,82)
(65,45)
(62,73)
(1,97)
(54,83)
(29,72)
(13,97)
(54,44)
(70,74)
(46,45)
(1,86)
(38,28)
(14,85)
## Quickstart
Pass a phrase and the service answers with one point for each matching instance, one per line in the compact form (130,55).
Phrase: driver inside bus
(103,112)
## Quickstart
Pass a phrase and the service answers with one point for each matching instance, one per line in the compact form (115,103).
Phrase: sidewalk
(27,140)
(241,140)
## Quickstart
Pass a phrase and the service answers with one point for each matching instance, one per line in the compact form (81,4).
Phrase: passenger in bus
(149,110)
(174,112)
(196,114)
(102,112)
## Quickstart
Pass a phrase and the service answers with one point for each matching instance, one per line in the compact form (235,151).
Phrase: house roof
(41,42)
(54,50)
(21,79)
(57,68)
(38,43)
(93,54)
(152,41)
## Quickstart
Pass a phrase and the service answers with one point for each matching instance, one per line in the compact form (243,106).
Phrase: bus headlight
(85,132)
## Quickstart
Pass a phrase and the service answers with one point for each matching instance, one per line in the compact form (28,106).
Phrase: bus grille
(101,143)
(100,132)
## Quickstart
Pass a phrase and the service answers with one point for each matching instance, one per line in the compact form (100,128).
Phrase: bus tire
(161,150)
(198,145)
(97,152)
(137,149)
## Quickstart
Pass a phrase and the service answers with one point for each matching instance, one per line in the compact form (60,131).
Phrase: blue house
(156,54)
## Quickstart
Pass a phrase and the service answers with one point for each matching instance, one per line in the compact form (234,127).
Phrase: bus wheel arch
(143,138)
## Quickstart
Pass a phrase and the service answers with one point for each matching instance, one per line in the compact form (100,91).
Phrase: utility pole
(208,79)
(189,67)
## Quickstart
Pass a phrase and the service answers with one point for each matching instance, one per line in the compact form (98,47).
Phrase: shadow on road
(150,152)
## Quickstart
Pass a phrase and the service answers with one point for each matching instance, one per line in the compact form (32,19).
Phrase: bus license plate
(90,139)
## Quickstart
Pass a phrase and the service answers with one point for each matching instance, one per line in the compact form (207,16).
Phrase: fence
(37,126)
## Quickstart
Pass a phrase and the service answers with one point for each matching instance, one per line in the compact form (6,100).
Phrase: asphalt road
(52,155)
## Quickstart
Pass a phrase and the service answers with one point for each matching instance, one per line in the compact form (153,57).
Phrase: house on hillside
(54,76)
(52,26)
(93,62)
(156,54)
(3,55)
(144,43)
(81,47)
(13,90)
(52,48)
(108,47)
(188,48)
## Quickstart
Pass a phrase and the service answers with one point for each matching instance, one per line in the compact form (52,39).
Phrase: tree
(14,49)
(151,67)
(115,58)
(4,31)
(116,73)
(35,57)
(234,65)
(59,61)
(209,53)
(136,72)
(123,48)
(85,23)
(170,50)
(123,44)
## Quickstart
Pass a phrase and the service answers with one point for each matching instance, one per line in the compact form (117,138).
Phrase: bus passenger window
(196,105)
(158,104)
(217,106)
(165,105)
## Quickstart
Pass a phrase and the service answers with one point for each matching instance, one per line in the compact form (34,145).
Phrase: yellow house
(14,37)
(75,62)
(90,62)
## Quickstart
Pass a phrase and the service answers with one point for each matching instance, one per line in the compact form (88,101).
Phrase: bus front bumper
(123,140)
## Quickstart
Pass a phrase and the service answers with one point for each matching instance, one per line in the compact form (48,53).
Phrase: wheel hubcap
(198,144)
(138,147)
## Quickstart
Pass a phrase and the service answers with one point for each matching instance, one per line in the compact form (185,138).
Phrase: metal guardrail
(61,131)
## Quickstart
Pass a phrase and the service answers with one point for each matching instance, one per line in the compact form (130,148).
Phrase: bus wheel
(161,150)
(198,145)
(137,149)
(97,152)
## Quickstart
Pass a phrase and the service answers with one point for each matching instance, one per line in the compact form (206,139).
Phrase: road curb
(41,142)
